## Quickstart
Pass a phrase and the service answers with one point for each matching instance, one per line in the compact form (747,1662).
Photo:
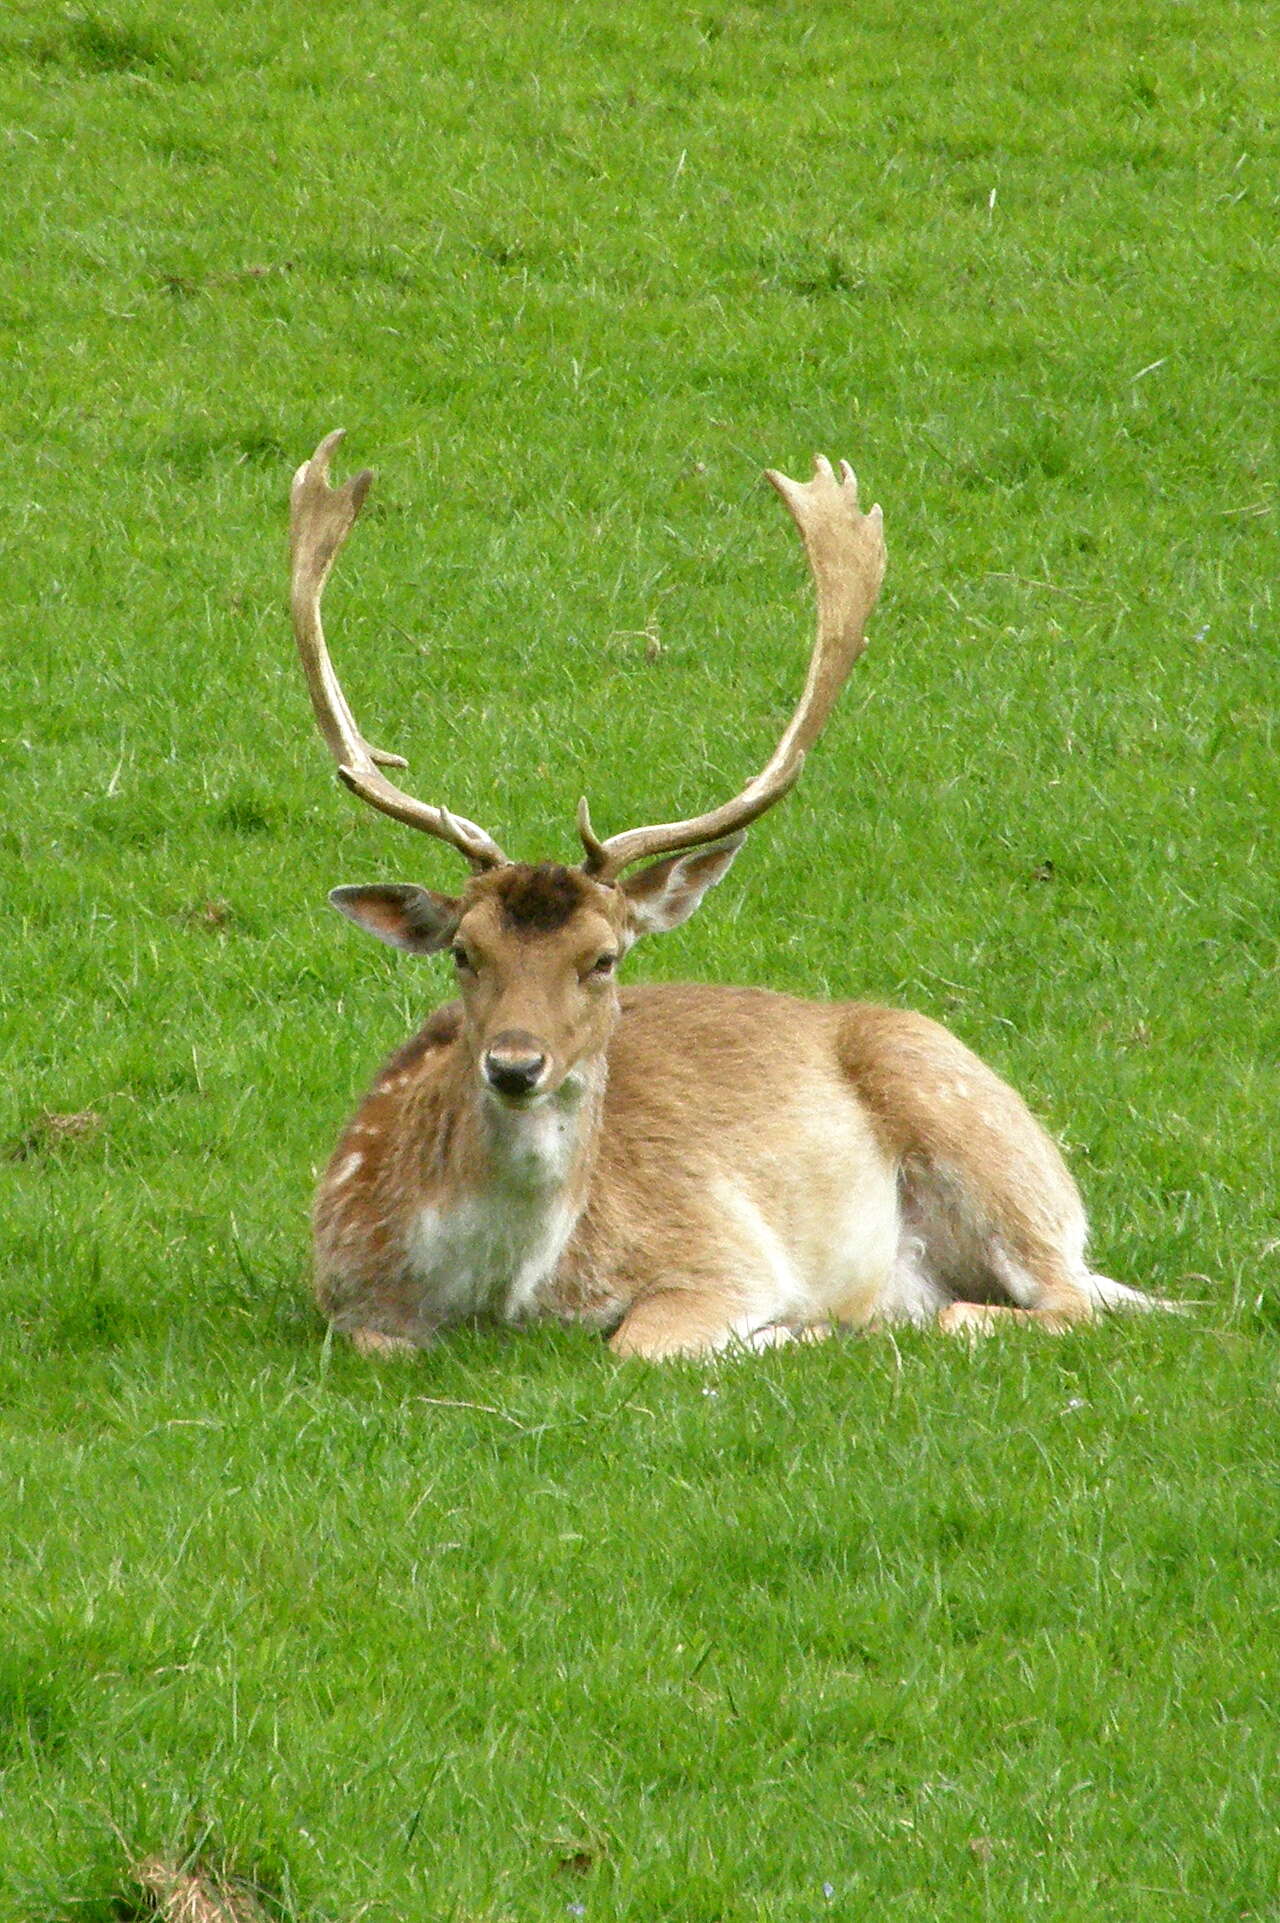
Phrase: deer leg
(685,1320)
(378,1318)
(1061,1309)
(372,1342)
(776,1335)
(681,1320)
(673,1322)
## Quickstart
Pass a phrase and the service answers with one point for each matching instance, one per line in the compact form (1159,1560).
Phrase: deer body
(680,1167)
(776,1208)
(737,1166)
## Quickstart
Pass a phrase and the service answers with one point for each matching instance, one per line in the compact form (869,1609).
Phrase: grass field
(513,1633)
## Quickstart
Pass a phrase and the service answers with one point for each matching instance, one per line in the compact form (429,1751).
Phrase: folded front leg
(680,1321)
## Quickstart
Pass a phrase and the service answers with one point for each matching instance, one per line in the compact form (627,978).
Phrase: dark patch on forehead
(542,898)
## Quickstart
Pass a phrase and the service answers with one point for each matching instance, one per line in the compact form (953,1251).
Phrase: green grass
(513,1630)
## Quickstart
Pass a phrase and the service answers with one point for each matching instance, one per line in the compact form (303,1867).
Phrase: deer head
(536,948)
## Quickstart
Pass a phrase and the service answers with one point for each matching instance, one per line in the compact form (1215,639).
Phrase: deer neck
(505,1194)
(546,1150)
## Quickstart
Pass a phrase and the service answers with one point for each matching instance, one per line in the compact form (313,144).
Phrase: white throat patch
(491,1252)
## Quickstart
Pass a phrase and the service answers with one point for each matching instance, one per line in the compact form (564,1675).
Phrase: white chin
(517,1104)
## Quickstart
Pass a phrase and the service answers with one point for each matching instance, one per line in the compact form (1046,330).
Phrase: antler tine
(847,557)
(320,519)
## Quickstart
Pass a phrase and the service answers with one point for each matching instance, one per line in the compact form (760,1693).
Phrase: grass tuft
(95,44)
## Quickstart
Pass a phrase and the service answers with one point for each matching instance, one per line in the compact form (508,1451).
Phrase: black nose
(514,1064)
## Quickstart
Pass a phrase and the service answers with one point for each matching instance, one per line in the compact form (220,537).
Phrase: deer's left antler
(847,557)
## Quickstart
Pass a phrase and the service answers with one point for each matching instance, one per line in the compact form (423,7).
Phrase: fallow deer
(681,1167)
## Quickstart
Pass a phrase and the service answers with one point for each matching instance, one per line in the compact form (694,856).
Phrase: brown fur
(722,1109)
(909,1071)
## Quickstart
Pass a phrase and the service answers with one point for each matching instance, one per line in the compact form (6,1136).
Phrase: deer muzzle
(515,1064)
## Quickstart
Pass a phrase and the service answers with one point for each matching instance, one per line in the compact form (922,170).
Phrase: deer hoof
(372,1342)
(971,1320)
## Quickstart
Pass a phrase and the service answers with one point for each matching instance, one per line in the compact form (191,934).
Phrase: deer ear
(401,914)
(666,894)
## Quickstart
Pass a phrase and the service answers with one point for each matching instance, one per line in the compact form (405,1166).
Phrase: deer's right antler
(846,556)
(320,519)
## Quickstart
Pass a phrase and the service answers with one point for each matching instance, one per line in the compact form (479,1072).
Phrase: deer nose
(514,1063)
